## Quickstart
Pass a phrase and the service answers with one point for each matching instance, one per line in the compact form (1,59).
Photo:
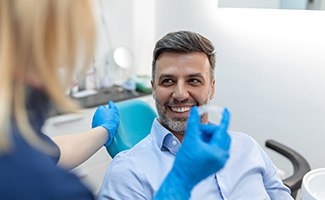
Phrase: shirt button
(174,142)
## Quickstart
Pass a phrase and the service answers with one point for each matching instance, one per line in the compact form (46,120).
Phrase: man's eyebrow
(196,75)
(165,76)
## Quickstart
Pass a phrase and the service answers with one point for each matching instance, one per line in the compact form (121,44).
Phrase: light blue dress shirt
(138,173)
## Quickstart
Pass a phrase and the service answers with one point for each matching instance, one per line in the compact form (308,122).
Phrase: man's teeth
(181,109)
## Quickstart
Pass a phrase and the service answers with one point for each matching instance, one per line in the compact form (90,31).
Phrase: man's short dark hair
(184,42)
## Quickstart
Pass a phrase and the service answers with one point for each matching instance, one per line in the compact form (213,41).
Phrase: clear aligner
(208,108)
(215,112)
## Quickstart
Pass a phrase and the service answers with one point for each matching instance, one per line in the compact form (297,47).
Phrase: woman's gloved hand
(107,117)
(204,151)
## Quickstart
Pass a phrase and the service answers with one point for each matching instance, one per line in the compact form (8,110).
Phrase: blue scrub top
(28,173)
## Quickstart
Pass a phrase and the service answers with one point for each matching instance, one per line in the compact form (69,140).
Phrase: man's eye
(194,81)
(167,82)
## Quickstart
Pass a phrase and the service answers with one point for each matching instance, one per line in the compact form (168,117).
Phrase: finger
(101,107)
(112,105)
(221,137)
(193,122)
(225,119)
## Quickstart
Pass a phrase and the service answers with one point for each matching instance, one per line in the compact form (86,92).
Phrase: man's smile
(181,109)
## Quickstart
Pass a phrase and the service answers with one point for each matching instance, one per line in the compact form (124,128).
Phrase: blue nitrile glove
(107,117)
(204,151)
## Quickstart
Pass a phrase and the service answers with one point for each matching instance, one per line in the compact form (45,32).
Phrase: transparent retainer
(214,112)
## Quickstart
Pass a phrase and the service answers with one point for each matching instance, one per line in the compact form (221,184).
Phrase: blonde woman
(41,42)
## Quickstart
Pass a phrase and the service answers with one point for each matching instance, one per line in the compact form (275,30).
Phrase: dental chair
(300,165)
(136,118)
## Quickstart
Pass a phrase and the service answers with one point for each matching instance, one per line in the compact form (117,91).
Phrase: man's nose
(180,92)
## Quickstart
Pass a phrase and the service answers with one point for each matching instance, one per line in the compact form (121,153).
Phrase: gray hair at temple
(184,42)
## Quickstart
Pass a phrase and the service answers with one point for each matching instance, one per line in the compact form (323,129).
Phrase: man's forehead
(182,64)
(182,71)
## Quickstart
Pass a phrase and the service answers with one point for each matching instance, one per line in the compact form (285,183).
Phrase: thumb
(193,123)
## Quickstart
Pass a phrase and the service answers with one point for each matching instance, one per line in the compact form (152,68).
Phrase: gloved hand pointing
(204,151)
(107,117)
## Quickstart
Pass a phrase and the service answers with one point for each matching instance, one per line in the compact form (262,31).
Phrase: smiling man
(182,77)
(180,81)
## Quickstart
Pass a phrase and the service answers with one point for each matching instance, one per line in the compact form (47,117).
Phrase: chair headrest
(136,117)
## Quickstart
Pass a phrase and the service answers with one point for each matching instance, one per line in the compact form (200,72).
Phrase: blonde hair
(39,40)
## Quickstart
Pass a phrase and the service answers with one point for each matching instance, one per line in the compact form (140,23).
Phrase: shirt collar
(165,139)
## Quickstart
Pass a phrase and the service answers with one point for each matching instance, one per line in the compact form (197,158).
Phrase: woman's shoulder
(29,172)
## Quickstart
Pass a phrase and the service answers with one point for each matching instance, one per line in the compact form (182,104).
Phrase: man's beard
(176,124)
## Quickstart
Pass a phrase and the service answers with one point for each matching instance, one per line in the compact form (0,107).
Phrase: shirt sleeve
(122,181)
(272,181)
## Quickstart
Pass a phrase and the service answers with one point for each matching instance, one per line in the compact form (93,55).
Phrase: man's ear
(152,86)
(212,89)
(153,89)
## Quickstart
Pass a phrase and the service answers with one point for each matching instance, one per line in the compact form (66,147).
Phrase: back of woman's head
(40,44)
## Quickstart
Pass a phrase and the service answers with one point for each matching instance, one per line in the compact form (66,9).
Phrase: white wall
(270,68)
(115,29)
(124,23)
